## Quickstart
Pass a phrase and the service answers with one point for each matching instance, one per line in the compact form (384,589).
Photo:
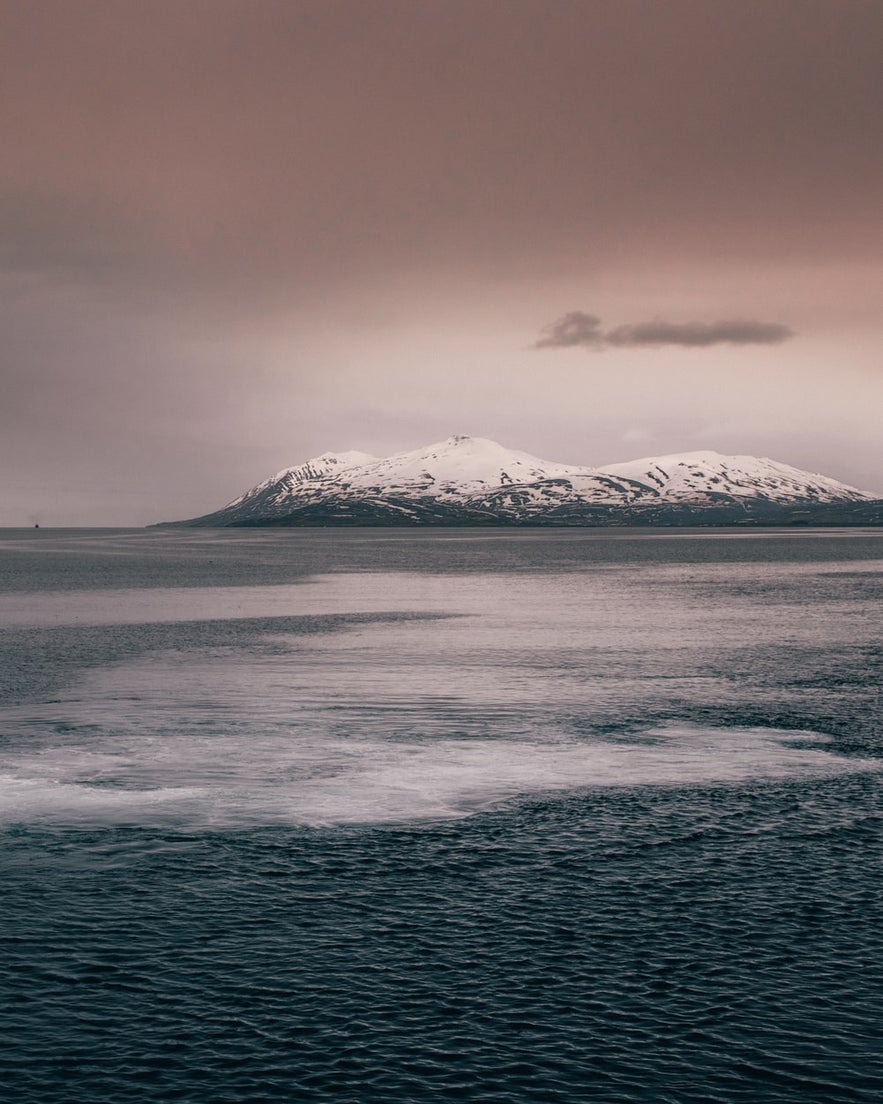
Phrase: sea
(371,816)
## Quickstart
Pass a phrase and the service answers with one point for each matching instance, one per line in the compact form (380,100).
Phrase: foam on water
(312,775)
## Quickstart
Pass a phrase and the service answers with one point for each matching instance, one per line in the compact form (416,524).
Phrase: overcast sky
(237,233)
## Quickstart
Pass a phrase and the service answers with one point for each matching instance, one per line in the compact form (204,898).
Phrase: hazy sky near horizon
(238,233)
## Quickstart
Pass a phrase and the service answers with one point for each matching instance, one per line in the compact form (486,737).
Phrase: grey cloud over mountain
(576,328)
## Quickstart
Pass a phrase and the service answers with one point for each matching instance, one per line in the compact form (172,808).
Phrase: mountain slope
(469,480)
(273,495)
(690,474)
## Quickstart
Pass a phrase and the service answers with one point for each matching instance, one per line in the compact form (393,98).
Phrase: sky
(235,234)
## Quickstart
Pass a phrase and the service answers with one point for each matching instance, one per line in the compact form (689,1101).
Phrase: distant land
(474,481)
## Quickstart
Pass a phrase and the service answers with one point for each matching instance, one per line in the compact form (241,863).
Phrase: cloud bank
(576,328)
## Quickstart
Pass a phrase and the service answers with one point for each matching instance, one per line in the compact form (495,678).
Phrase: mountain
(470,480)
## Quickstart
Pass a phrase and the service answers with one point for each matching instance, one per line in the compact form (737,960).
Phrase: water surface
(368,816)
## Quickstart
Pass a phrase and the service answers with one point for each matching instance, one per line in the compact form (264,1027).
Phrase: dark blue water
(360,817)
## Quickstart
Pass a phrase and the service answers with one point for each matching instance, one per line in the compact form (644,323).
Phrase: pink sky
(237,233)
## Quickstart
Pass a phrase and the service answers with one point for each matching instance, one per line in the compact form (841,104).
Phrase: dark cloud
(576,328)
(698,334)
(573,328)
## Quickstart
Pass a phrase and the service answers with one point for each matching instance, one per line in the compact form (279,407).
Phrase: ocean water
(367,816)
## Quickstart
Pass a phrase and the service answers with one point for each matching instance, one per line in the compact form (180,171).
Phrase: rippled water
(458,815)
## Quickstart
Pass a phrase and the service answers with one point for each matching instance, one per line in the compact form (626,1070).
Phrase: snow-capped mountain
(273,493)
(471,480)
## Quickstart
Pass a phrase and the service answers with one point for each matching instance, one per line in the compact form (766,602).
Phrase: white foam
(225,781)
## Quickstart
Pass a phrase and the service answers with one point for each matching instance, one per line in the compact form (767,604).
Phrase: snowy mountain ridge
(320,467)
(471,479)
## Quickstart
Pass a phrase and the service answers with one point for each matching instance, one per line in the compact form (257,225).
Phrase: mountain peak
(473,479)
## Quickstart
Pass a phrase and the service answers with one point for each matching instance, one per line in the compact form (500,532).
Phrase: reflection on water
(527,684)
